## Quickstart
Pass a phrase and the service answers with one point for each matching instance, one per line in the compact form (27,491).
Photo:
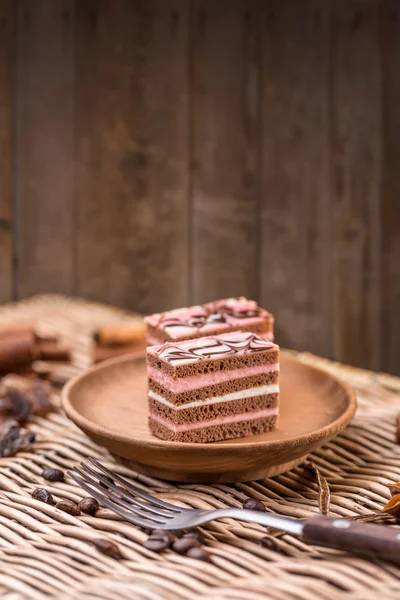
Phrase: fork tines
(129,501)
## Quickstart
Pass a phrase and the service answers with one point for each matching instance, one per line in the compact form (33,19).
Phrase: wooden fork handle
(374,541)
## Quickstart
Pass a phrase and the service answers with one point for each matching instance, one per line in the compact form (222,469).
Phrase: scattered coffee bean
(167,534)
(159,540)
(270,543)
(42,495)
(196,535)
(183,545)
(253,504)
(30,437)
(199,554)
(53,474)
(107,547)
(104,485)
(69,507)
(89,506)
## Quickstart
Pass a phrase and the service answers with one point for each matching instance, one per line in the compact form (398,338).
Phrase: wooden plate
(109,403)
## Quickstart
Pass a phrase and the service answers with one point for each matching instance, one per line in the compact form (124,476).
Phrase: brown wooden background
(156,153)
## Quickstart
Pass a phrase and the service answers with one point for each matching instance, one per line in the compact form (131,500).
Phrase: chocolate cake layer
(212,318)
(219,389)
(206,412)
(214,433)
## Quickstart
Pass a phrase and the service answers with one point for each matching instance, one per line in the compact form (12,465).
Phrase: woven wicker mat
(44,552)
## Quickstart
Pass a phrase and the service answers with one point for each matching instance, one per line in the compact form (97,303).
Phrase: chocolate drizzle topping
(214,312)
(213,346)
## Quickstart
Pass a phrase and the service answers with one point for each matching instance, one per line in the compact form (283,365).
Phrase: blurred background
(159,153)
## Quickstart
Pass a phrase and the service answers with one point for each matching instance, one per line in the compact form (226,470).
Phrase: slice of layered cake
(231,314)
(213,388)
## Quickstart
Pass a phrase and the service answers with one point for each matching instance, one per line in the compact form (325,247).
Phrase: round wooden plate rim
(88,425)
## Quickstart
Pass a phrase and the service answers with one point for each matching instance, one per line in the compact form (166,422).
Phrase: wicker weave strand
(47,553)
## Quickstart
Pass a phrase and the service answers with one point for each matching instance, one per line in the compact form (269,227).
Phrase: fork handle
(366,539)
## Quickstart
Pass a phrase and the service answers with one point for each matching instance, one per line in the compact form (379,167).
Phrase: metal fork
(145,510)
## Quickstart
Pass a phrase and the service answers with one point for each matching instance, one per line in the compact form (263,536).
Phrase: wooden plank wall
(132,160)
(295,269)
(7,66)
(44,144)
(163,152)
(356,181)
(225,188)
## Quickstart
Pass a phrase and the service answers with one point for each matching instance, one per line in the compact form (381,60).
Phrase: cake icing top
(208,317)
(216,346)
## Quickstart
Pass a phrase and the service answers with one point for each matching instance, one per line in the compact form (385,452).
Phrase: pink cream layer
(260,414)
(194,382)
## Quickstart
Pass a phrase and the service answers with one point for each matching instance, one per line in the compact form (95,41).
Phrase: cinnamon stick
(17,329)
(17,350)
(28,327)
(120,334)
(54,352)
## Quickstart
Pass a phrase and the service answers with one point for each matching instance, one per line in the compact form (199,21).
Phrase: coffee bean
(196,535)
(53,474)
(159,540)
(42,495)
(253,504)
(167,534)
(156,543)
(89,506)
(107,547)
(69,507)
(183,545)
(30,437)
(270,543)
(199,554)
(104,485)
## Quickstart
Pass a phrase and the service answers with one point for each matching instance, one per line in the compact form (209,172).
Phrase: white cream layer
(261,390)
(260,414)
(192,382)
